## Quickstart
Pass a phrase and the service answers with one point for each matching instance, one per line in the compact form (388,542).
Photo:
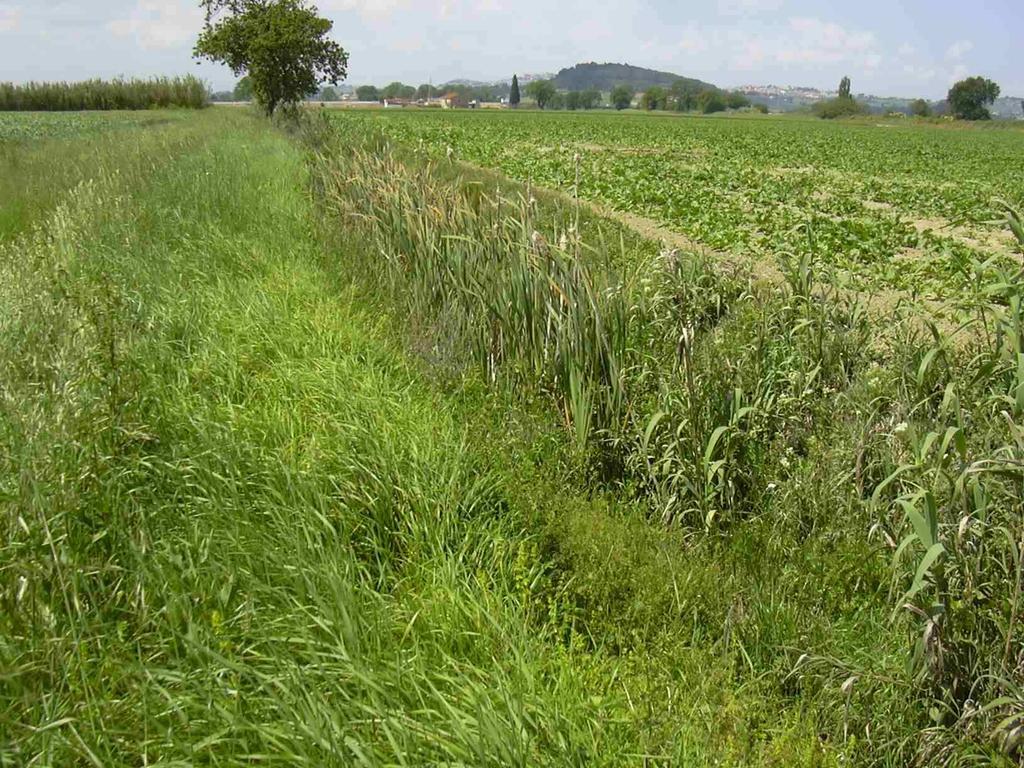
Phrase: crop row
(883,206)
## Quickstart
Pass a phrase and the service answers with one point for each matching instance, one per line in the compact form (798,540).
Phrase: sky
(888,47)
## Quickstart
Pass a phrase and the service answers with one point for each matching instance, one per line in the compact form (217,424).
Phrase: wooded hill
(604,77)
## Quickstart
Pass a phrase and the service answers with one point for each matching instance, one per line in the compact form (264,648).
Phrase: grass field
(315,450)
(885,205)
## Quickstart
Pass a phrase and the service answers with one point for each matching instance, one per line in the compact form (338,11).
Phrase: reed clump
(187,92)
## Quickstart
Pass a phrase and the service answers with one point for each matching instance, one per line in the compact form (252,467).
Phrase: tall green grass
(185,92)
(786,415)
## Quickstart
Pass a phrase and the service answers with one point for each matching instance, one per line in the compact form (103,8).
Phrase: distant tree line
(968,99)
(461,92)
(188,92)
(683,96)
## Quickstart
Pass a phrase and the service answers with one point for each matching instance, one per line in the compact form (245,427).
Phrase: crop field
(882,206)
(33,126)
(322,450)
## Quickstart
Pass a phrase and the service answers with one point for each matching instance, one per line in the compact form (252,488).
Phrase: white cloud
(747,7)
(373,10)
(159,24)
(920,72)
(813,41)
(10,17)
(959,49)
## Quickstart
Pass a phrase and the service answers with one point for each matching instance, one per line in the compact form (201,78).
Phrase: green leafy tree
(397,90)
(844,88)
(655,97)
(541,91)
(969,99)
(367,93)
(736,100)
(283,45)
(513,94)
(622,97)
(589,99)
(843,105)
(572,100)
(832,109)
(683,96)
(243,89)
(709,102)
(425,91)
(328,94)
(920,108)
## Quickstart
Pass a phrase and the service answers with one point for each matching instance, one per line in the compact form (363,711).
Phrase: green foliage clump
(541,91)
(969,99)
(368,93)
(654,98)
(622,97)
(832,109)
(282,45)
(920,108)
(183,92)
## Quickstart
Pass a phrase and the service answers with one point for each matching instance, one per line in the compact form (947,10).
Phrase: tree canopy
(622,97)
(541,91)
(367,93)
(654,97)
(282,45)
(920,108)
(969,99)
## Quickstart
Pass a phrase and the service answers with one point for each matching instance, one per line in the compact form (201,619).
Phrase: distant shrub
(839,107)
(709,102)
(920,108)
(188,91)
(762,108)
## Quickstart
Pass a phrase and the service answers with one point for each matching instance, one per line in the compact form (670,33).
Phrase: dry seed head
(964,527)
(539,244)
(847,687)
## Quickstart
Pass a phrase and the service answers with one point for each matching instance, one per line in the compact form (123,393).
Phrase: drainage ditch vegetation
(314,451)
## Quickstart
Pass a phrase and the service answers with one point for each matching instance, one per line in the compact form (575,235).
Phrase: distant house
(392,103)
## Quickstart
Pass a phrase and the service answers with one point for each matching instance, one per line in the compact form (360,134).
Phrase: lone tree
(282,45)
(513,94)
(920,108)
(622,97)
(541,91)
(968,99)
(844,88)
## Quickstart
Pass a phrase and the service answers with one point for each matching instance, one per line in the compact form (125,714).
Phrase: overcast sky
(888,47)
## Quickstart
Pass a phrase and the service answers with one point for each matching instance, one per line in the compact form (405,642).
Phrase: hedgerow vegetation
(186,92)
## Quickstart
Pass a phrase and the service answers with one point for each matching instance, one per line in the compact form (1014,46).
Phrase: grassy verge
(235,524)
